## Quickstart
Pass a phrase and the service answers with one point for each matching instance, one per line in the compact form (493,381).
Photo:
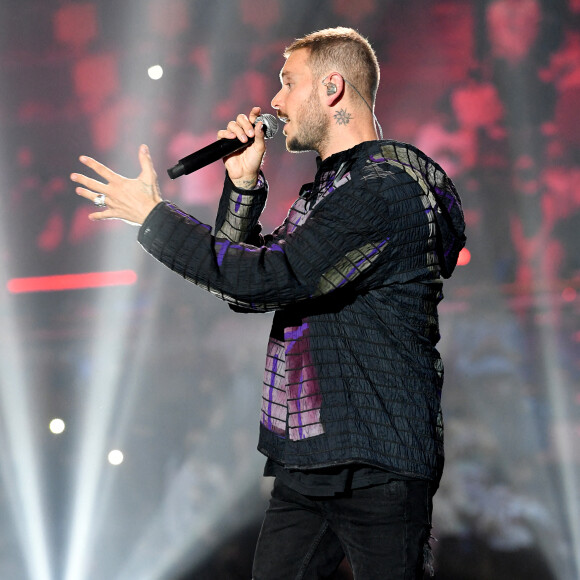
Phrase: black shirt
(330,481)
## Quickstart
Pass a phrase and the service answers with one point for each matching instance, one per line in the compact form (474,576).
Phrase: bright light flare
(115,457)
(57,426)
(155,72)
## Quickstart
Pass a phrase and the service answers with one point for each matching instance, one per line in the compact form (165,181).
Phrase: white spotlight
(57,426)
(115,457)
(155,72)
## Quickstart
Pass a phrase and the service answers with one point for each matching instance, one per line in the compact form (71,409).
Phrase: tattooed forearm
(342,117)
(245,183)
(248,183)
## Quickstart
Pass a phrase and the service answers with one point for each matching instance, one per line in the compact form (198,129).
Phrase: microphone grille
(270,124)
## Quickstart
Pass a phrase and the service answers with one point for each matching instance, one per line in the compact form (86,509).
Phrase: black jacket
(354,275)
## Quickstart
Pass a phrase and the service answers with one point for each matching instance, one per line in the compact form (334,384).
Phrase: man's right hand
(243,165)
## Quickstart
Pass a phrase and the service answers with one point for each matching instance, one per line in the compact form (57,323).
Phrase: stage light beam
(21,465)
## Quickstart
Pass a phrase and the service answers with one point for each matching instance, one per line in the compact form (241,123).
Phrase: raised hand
(130,200)
(243,166)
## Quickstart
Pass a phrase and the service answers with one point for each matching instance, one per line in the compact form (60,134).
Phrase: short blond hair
(346,51)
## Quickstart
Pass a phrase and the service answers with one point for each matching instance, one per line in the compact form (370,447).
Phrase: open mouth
(284,120)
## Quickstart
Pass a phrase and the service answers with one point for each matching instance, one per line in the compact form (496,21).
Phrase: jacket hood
(442,198)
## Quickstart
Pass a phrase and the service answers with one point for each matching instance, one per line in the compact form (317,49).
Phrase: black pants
(383,530)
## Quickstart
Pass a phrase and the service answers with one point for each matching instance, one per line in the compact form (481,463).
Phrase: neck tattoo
(342,117)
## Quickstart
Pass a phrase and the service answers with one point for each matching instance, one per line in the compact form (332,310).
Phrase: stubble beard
(313,124)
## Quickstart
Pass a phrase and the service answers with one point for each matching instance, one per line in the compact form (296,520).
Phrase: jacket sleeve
(345,237)
(239,211)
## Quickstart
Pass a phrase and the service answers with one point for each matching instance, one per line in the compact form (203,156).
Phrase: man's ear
(334,85)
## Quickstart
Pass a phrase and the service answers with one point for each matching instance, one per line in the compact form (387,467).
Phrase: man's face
(298,104)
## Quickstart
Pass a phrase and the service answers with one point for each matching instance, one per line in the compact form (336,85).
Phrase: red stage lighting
(71,281)
(464,257)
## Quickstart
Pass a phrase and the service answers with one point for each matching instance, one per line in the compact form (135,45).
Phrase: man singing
(351,408)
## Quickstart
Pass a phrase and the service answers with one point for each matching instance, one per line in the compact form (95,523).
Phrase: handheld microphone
(220,149)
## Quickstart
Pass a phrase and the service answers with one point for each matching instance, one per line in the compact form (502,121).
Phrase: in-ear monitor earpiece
(330,89)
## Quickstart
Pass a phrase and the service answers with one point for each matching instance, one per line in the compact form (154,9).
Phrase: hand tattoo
(342,117)
(152,190)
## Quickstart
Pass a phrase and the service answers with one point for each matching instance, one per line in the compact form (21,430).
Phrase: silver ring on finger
(100,200)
